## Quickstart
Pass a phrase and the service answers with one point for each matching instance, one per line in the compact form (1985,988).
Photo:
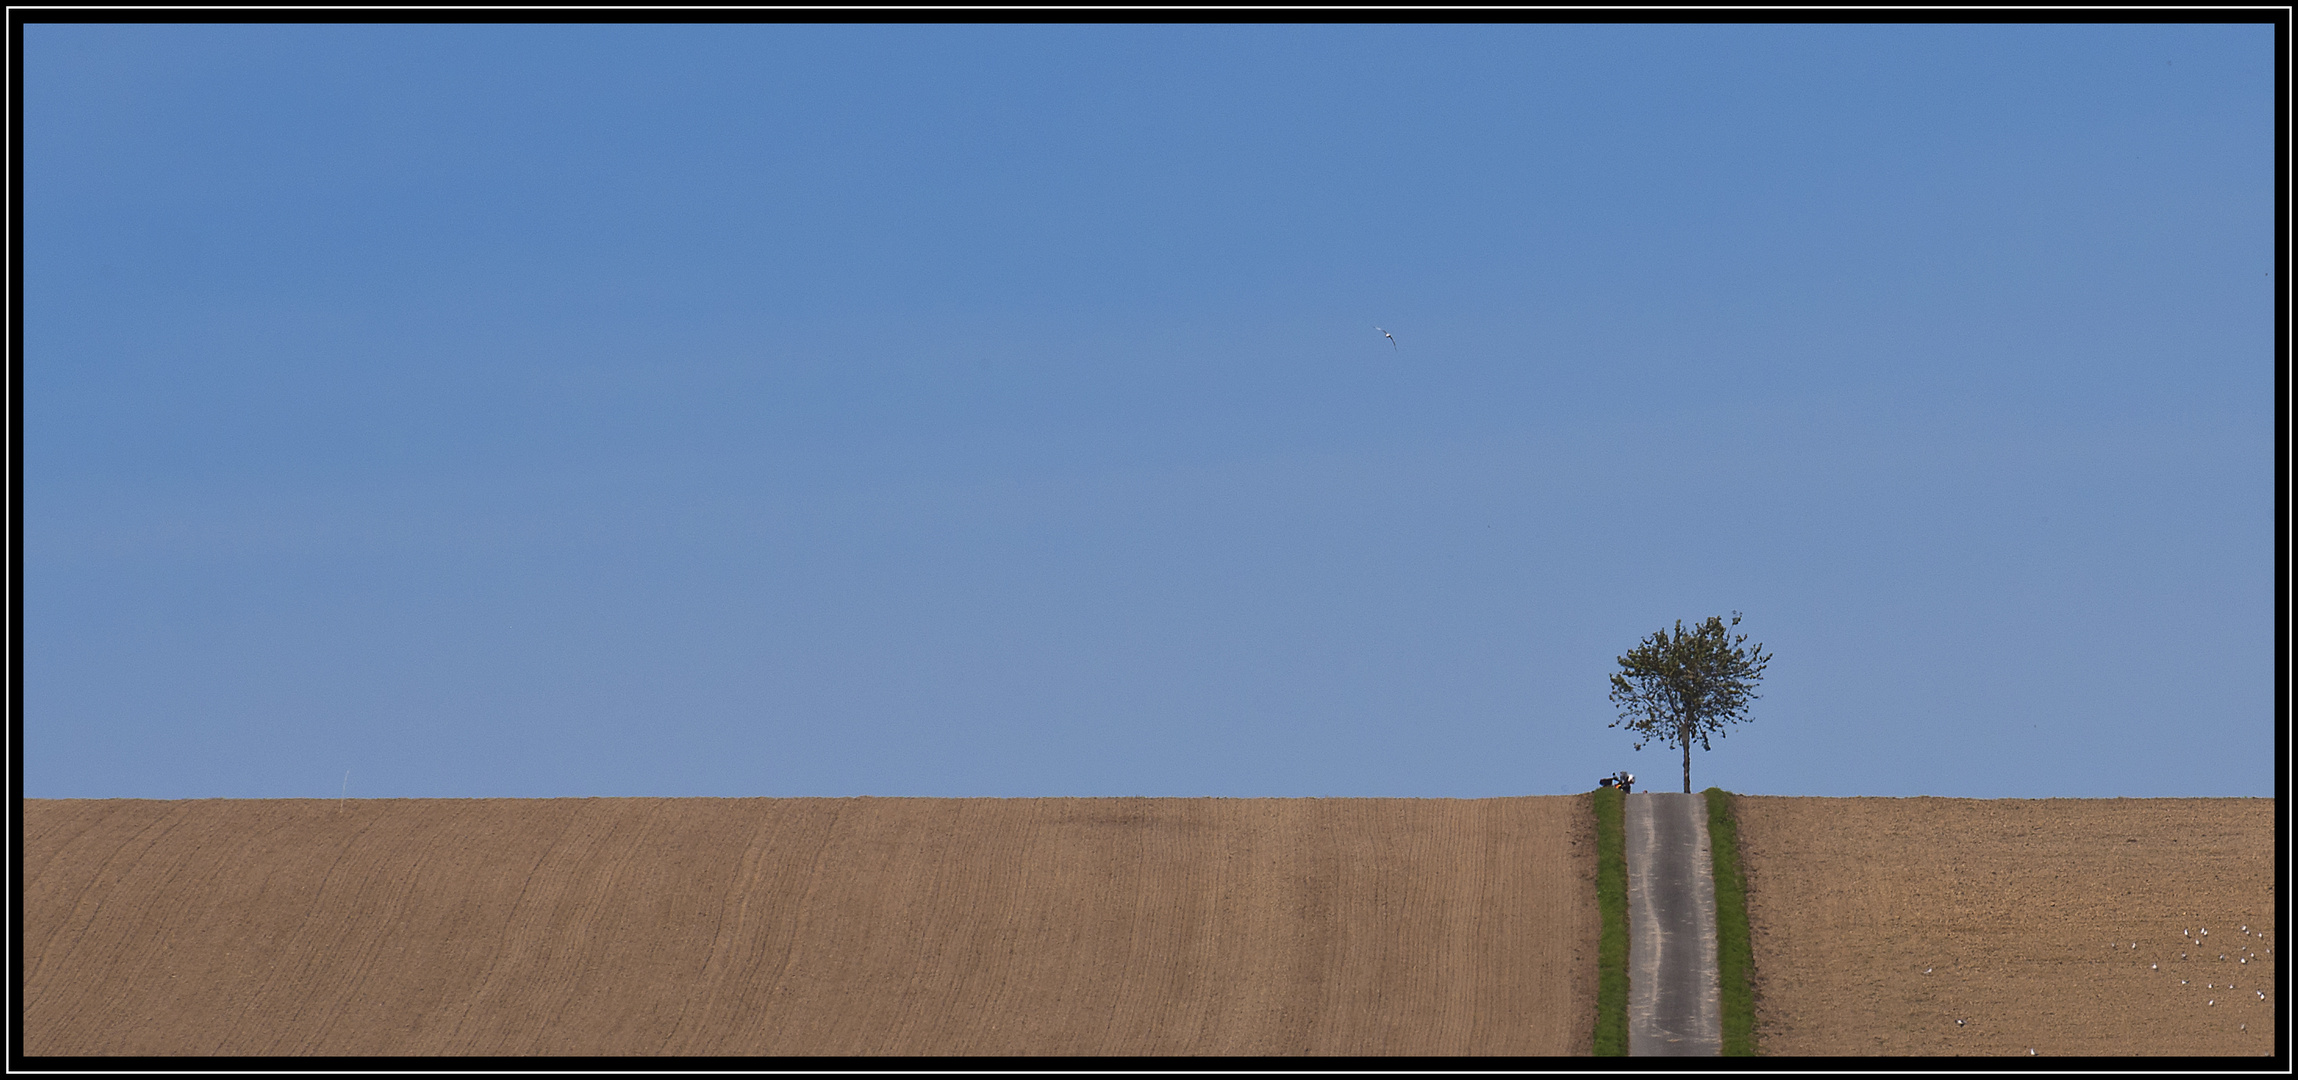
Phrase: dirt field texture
(809,926)
(2057,925)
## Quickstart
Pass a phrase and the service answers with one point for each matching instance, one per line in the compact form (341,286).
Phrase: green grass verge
(1612,912)
(1735,952)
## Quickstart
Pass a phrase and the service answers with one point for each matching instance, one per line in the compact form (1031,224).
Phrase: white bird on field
(1391,337)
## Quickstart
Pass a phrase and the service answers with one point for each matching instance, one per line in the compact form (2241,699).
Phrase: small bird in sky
(1391,337)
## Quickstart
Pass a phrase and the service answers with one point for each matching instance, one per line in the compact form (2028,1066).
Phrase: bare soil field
(809,926)
(2057,925)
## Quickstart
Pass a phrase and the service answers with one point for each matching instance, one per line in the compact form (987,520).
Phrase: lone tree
(1672,689)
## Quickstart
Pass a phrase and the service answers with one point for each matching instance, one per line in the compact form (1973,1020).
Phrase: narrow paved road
(1674,1007)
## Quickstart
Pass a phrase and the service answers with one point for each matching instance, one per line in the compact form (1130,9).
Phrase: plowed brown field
(809,926)
(1878,923)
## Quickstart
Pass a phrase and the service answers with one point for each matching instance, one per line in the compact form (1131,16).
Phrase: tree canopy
(1673,688)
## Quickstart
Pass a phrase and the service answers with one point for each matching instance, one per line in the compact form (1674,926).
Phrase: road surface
(1674,1007)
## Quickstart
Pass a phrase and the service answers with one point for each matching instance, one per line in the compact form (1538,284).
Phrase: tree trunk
(1687,741)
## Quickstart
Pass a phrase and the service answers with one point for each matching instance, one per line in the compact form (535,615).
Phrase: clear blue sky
(732,411)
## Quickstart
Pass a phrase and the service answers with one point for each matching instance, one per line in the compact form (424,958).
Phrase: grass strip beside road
(1612,914)
(1735,953)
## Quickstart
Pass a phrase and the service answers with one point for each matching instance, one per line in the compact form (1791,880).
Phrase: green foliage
(1612,916)
(1735,949)
(1676,688)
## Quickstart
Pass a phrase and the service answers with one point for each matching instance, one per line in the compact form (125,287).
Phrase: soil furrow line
(476,1025)
(723,960)
(131,972)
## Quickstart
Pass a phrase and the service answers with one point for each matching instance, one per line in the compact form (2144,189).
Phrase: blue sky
(954,411)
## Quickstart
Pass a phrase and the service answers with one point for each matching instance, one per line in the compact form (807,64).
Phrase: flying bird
(1391,337)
